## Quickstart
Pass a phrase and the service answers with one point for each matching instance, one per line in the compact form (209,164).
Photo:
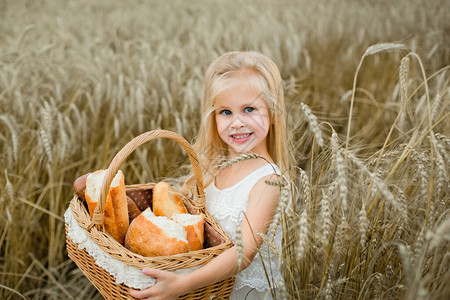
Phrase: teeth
(241,136)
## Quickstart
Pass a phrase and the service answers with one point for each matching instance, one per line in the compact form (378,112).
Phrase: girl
(243,111)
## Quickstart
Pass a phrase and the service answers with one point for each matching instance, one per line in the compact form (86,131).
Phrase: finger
(154,273)
(141,294)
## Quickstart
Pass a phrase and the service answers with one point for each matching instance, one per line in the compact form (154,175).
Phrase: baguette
(116,219)
(150,235)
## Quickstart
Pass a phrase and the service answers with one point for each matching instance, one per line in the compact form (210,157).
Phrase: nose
(237,122)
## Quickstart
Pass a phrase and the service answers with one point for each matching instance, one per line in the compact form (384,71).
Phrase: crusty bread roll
(194,226)
(133,209)
(150,235)
(79,186)
(116,218)
(166,201)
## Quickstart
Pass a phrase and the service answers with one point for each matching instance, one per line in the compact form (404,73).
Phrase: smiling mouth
(241,137)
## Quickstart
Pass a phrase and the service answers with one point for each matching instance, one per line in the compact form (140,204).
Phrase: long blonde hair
(263,74)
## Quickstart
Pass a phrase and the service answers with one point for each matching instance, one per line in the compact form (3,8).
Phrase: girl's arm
(263,200)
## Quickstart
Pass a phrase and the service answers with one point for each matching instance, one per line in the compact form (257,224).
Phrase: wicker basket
(104,281)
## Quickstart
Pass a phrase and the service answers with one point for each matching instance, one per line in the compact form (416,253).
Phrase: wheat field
(367,89)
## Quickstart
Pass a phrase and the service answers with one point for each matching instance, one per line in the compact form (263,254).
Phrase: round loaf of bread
(150,235)
(79,186)
(116,218)
(166,201)
(194,226)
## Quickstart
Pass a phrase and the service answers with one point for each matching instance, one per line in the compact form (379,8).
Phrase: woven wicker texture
(106,285)
(101,279)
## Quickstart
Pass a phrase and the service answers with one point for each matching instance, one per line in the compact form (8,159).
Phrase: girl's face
(242,119)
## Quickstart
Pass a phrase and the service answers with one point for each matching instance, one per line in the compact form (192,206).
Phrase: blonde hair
(263,74)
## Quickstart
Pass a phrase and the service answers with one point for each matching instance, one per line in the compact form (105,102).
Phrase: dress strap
(268,169)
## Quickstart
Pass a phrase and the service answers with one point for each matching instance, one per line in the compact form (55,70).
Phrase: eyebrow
(220,107)
(244,105)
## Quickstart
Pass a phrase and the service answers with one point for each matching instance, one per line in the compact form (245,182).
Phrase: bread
(79,186)
(116,218)
(150,235)
(194,226)
(133,209)
(166,201)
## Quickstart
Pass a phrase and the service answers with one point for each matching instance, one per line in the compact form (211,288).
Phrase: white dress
(227,207)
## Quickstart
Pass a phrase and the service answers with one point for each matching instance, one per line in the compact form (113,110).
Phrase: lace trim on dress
(223,209)
(122,272)
(255,277)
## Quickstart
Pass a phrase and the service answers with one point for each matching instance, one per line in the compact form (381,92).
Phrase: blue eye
(248,109)
(225,112)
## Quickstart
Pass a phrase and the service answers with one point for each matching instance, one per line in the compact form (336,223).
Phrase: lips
(241,137)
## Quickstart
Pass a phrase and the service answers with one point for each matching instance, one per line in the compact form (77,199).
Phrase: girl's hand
(168,286)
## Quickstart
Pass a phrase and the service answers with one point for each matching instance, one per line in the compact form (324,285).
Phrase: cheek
(261,122)
(221,125)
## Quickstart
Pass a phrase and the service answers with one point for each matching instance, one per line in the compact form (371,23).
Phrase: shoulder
(263,201)
(266,186)
(265,189)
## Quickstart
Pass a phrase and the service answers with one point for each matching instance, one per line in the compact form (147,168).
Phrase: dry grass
(78,79)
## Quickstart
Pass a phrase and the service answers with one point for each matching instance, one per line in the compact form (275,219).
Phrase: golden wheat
(370,215)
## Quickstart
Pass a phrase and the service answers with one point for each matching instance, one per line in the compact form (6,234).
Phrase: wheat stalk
(436,106)
(418,245)
(339,162)
(404,68)
(405,255)
(326,216)
(342,235)
(45,139)
(14,136)
(440,164)
(305,185)
(440,235)
(443,139)
(302,235)
(283,200)
(419,111)
(239,242)
(313,124)
(441,143)
(363,225)
(238,158)
(64,140)
(374,49)
(421,173)
(379,184)
(9,188)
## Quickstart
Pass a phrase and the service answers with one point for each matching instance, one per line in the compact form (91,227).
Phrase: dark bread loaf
(133,209)
(79,186)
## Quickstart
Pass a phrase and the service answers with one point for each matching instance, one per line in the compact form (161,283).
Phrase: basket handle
(97,219)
